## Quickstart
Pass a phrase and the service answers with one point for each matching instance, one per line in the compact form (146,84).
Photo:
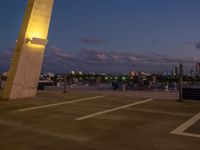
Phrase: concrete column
(28,56)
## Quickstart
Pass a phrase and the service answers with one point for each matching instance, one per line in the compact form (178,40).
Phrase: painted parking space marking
(61,103)
(164,112)
(183,127)
(112,110)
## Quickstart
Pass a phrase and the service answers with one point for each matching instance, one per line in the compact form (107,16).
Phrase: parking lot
(100,120)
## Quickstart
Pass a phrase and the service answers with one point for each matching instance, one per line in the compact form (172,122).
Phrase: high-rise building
(177,70)
(191,72)
(198,69)
(173,73)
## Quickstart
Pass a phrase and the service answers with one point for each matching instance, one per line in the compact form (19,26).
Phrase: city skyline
(111,36)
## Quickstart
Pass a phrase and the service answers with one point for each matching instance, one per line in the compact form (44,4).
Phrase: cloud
(92,54)
(158,54)
(187,43)
(197,45)
(59,53)
(92,40)
(59,60)
(152,58)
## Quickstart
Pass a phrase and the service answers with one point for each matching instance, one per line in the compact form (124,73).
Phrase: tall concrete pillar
(28,56)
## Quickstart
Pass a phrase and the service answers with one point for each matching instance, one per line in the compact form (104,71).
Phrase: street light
(180,82)
(37,41)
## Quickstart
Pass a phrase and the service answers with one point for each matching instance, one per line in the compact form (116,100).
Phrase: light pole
(180,82)
(65,83)
(1,81)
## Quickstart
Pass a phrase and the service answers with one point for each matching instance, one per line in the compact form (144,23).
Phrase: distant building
(72,72)
(154,79)
(191,72)
(142,73)
(176,70)
(198,69)
(173,73)
(133,73)
(80,72)
(5,74)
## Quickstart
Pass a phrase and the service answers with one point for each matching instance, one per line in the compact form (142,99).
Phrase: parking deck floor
(98,120)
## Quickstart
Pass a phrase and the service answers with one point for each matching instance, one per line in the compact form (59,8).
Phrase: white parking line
(164,112)
(61,103)
(183,127)
(111,110)
(190,134)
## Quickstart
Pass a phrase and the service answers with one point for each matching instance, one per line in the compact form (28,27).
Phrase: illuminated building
(198,69)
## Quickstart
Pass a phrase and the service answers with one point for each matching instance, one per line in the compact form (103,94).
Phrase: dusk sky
(112,36)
